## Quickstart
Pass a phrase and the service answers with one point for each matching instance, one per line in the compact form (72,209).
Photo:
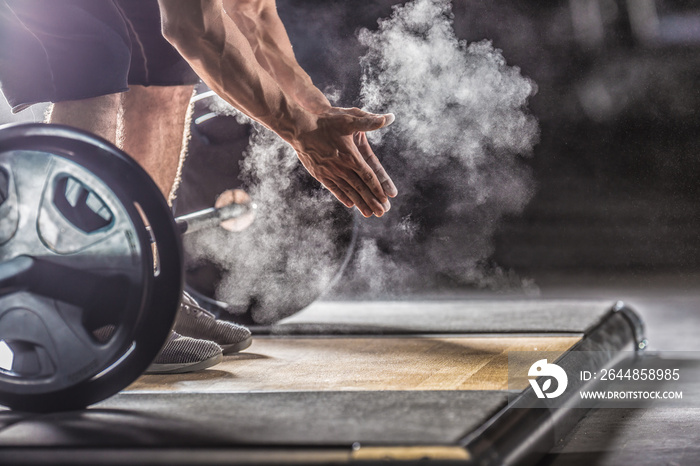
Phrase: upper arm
(250,6)
(183,18)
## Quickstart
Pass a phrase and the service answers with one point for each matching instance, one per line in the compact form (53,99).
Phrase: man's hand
(338,155)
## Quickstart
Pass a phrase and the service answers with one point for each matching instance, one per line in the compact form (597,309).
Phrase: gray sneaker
(184,354)
(195,322)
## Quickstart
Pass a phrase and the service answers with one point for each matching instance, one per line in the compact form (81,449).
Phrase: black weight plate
(290,294)
(83,312)
(259,280)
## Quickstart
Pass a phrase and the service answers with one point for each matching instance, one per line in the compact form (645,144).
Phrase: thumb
(373,122)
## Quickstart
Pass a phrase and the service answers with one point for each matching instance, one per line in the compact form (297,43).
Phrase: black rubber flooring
(301,418)
(445,316)
(308,419)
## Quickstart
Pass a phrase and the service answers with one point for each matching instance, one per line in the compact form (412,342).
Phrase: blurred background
(617,164)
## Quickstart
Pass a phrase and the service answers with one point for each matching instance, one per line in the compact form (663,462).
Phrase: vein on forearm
(259,22)
(217,50)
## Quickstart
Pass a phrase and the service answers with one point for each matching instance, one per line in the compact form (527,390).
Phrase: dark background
(618,99)
(619,91)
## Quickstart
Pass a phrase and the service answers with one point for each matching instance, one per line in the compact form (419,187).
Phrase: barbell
(91,267)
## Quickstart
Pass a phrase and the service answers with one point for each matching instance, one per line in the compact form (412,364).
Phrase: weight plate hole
(24,359)
(7,356)
(81,206)
(104,333)
(4,185)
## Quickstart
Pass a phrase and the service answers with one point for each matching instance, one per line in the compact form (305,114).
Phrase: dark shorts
(58,50)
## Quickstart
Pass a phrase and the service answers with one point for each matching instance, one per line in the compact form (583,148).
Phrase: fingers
(372,122)
(339,194)
(368,155)
(357,194)
(365,182)
(358,174)
(369,178)
(388,188)
(352,193)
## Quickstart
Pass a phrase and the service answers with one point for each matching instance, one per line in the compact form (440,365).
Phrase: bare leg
(97,115)
(149,123)
(154,129)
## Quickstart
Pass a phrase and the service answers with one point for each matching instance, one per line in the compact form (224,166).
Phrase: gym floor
(668,304)
(353,378)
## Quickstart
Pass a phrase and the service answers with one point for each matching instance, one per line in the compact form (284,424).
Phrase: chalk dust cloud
(457,153)
(456,149)
(289,255)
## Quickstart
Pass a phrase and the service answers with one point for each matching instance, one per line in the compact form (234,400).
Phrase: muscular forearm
(221,55)
(288,103)
(260,24)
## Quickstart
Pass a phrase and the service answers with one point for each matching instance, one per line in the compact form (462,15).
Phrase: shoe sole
(236,347)
(184,368)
